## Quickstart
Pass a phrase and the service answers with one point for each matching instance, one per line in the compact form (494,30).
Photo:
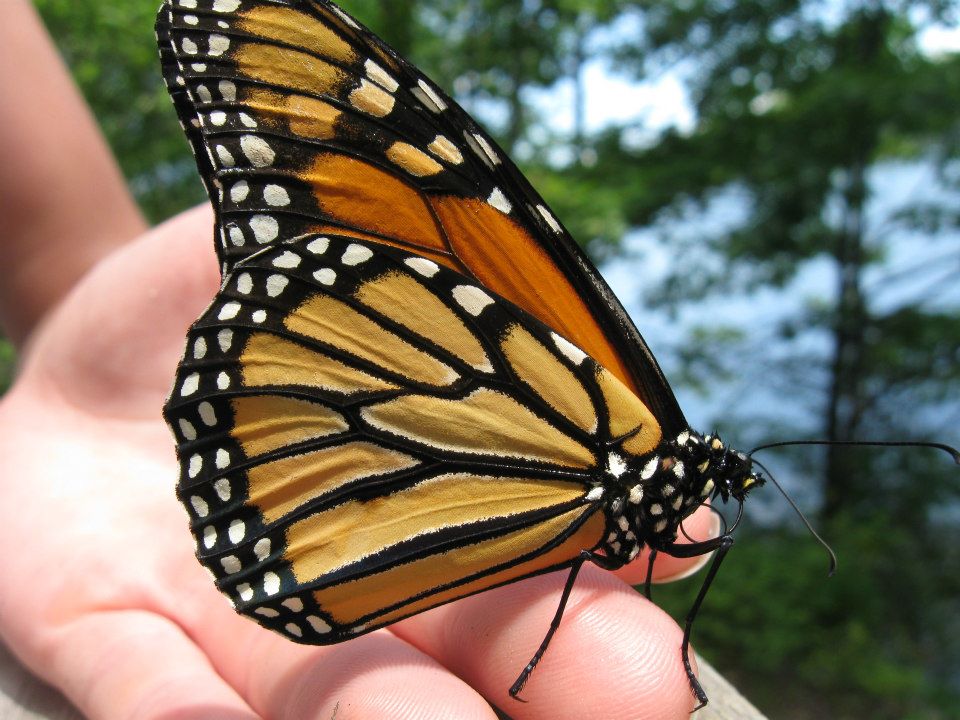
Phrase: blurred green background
(773,187)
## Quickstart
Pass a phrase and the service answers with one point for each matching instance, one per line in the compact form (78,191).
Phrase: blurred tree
(111,50)
(802,109)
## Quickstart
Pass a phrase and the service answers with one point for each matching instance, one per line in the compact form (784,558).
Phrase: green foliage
(8,361)
(111,50)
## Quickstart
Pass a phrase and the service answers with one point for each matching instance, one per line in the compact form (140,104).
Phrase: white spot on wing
(222,488)
(276,284)
(425,267)
(239,192)
(319,246)
(429,97)
(472,299)
(325,276)
(236,531)
(228,91)
(229,311)
(499,201)
(226,6)
(245,592)
(245,284)
(293,604)
(225,157)
(346,18)
(276,196)
(288,260)
(293,629)
(188,431)
(487,149)
(318,624)
(257,151)
(207,414)
(231,564)
(209,536)
(200,506)
(356,254)
(262,549)
(190,384)
(380,76)
(570,351)
(548,216)
(225,339)
(271,583)
(265,228)
(219,44)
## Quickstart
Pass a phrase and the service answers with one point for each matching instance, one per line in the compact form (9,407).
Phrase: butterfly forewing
(303,121)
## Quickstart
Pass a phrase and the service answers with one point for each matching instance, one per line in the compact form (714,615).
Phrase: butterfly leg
(649,579)
(600,560)
(722,546)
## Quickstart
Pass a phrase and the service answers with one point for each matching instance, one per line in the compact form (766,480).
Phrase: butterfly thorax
(659,490)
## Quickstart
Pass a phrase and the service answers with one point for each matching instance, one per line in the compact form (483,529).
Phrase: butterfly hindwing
(303,121)
(365,433)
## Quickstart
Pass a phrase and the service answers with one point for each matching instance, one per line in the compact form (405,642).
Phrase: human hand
(103,598)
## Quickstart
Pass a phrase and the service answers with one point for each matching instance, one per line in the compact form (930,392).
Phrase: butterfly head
(730,471)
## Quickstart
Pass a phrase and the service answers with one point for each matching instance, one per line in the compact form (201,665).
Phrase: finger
(371,677)
(701,525)
(134,664)
(615,655)
(162,281)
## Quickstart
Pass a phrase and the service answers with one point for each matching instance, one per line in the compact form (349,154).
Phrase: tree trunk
(845,400)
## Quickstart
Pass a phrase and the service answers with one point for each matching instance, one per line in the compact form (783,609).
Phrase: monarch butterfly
(412,385)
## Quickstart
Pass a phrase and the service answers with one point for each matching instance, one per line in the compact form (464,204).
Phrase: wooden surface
(725,702)
(23,697)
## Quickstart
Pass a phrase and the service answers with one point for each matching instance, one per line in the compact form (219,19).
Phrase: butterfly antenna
(952,451)
(803,518)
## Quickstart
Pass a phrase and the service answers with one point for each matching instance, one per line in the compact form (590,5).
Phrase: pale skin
(100,593)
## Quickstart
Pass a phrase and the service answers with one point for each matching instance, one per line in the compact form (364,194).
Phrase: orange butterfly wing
(303,121)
